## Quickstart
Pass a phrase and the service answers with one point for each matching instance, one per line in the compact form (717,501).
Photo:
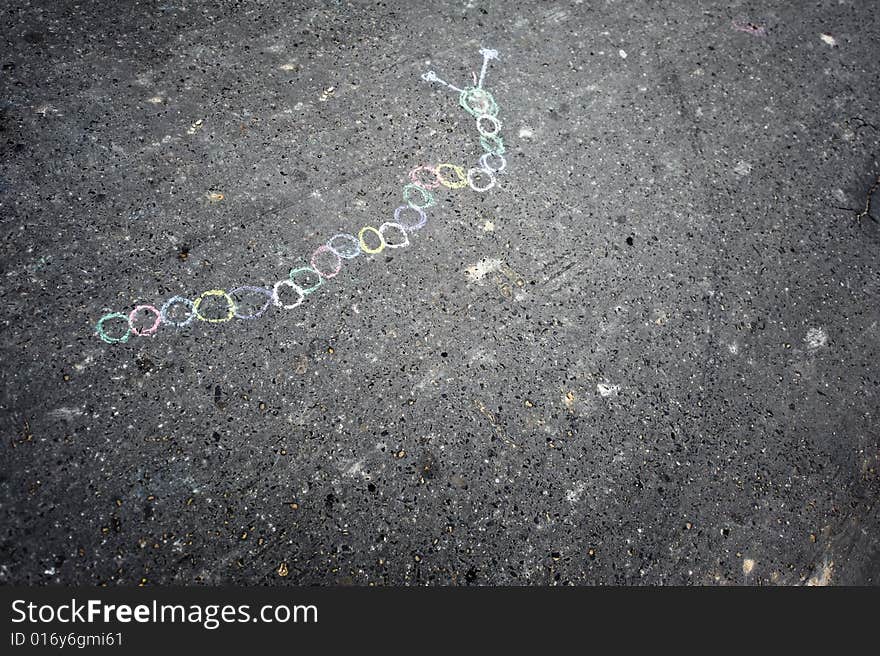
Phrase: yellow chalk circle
(363,244)
(230,306)
(459,173)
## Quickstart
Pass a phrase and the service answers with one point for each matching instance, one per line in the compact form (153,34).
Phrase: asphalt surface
(647,355)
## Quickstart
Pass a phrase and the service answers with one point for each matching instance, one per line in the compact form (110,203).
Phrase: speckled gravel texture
(649,356)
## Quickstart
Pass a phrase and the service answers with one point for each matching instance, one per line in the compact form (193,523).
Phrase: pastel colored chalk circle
(365,247)
(460,180)
(344,245)
(492,121)
(383,231)
(324,248)
(230,306)
(472,179)
(262,291)
(498,168)
(102,332)
(423,218)
(169,304)
(427,198)
(304,271)
(132,318)
(417,179)
(477,101)
(276,294)
(492,144)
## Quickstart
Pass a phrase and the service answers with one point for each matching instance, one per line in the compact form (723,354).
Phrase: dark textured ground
(650,356)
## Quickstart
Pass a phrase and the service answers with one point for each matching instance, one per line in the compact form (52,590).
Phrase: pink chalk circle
(324,248)
(417,179)
(147,331)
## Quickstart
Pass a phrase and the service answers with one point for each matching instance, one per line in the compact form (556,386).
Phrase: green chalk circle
(427,197)
(492,144)
(306,290)
(485,102)
(99,328)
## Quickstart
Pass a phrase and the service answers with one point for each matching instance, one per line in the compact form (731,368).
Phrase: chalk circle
(484,162)
(102,333)
(363,241)
(461,177)
(417,179)
(276,294)
(495,123)
(477,101)
(230,306)
(427,196)
(423,218)
(351,250)
(324,248)
(471,179)
(169,304)
(493,144)
(253,290)
(132,318)
(307,271)
(385,227)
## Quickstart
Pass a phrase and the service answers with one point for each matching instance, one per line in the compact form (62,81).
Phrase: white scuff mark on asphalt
(65,413)
(816,338)
(526,133)
(80,366)
(574,494)
(481,269)
(46,110)
(196,126)
(355,468)
(742,168)
(606,389)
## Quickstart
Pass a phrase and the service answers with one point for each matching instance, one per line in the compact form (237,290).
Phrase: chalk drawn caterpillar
(408,218)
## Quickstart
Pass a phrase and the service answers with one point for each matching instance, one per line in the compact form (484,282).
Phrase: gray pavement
(648,355)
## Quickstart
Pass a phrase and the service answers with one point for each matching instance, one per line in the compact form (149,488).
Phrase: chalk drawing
(327,260)
(749,27)
(816,338)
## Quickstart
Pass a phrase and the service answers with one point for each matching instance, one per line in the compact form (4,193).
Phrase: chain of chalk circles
(408,218)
